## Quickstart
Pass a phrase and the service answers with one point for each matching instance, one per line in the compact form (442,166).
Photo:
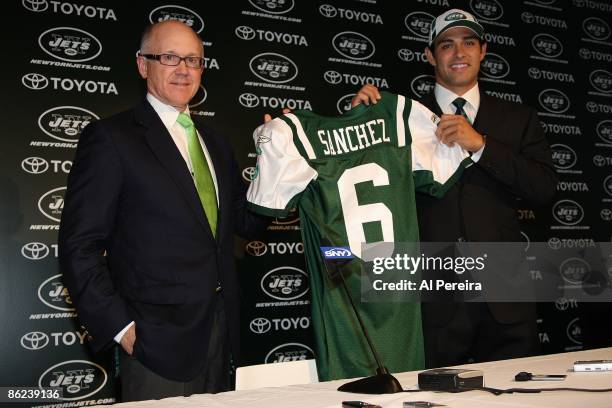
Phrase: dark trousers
(139,383)
(474,335)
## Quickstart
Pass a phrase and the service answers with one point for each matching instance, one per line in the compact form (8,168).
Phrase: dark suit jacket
(481,206)
(131,194)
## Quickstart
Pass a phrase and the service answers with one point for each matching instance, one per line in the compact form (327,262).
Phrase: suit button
(461,239)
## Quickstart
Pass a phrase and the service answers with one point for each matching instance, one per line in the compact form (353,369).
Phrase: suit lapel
(485,115)
(163,147)
(430,102)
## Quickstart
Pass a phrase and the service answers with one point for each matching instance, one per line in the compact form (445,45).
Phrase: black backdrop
(71,62)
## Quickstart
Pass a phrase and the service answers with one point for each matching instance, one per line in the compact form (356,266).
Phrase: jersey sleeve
(281,173)
(435,166)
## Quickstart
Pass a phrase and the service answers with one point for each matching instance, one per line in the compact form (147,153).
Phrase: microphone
(335,260)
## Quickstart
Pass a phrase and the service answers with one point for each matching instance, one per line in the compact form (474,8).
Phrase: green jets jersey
(353,178)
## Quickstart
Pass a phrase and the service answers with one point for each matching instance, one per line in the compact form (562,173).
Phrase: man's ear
(483,49)
(430,56)
(142,66)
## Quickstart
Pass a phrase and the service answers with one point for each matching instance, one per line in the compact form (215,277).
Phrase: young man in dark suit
(146,236)
(512,159)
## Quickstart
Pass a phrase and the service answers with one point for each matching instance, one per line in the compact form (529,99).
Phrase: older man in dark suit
(146,237)
(512,159)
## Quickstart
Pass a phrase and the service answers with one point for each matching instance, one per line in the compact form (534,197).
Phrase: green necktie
(201,171)
(459,103)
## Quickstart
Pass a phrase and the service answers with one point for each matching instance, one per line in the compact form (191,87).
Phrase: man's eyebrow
(467,37)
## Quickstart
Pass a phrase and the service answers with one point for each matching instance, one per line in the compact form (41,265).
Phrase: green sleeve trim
(296,139)
(406,113)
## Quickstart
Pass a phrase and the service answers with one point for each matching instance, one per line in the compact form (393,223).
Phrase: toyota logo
(256,248)
(249,174)
(554,243)
(260,325)
(606,214)
(34,340)
(332,77)
(584,53)
(405,54)
(328,10)
(535,73)
(34,165)
(599,160)
(245,32)
(591,107)
(562,304)
(35,5)
(528,17)
(248,100)
(34,81)
(35,251)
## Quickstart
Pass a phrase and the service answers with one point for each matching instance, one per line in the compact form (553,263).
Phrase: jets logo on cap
(455,16)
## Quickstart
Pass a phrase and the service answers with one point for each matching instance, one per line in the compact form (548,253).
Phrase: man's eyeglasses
(174,60)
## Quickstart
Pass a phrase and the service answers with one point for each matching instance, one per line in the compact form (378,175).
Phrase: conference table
(497,374)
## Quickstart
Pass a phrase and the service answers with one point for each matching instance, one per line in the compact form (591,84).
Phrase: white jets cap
(454,18)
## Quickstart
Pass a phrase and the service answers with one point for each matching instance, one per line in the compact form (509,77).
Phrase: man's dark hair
(435,44)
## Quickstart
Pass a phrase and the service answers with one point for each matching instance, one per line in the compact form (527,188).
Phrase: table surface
(497,374)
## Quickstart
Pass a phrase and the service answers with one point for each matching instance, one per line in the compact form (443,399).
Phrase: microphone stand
(380,383)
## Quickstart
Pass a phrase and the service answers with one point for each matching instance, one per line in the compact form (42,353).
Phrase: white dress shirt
(168,114)
(445,99)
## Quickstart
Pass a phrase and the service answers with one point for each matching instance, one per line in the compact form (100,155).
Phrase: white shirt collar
(167,113)
(445,98)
